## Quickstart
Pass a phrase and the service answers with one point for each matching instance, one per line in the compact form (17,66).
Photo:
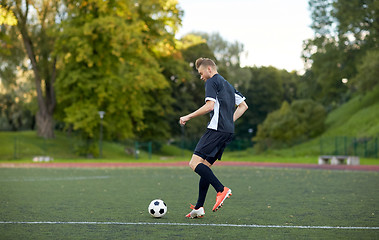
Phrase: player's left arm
(240,110)
(241,105)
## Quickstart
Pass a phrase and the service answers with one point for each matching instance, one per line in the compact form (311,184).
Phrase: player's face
(204,73)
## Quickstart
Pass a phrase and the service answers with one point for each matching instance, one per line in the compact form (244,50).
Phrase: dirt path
(185,164)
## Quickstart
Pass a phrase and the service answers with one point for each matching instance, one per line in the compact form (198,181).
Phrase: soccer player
(221,100)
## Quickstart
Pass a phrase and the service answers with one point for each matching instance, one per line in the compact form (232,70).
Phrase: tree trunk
(45,124)
(46,102)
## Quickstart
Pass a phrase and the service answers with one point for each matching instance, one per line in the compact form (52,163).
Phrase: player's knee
(192,165)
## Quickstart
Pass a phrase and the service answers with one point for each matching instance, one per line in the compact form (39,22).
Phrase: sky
(272,31)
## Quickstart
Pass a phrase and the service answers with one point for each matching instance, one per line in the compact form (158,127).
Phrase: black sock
(205,172)
(203,189)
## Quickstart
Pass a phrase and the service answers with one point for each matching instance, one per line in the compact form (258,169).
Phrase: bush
(300,121)
(87,148)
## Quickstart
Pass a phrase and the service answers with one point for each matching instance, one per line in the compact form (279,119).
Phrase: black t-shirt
(226,97)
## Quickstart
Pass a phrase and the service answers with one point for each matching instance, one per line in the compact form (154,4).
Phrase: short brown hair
(206,62)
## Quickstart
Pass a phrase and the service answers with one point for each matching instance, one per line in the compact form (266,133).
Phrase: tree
(357,22)
(264,95)
(290,81)
(344,31)
(163,19)
(36,24)
(300,121)
(307,87)
(226,53)
(162,114)
(367,77)
(111,52)
(16,85)
(227,56)
(17,102)
(327,71)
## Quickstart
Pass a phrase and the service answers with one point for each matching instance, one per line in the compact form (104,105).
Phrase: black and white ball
(157,208)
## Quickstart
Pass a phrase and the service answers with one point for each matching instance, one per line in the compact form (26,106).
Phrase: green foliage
(17,89)
(13,55)
(290,81)
(327,72)
(14,114)
(357,21)
(307,87)
(6,16)
(34,38)
(368,72)
(358,118)
(87,148)
(177,70)
(111,63)
(311,116)
(344,31)
(264,94)
(267,89)
(17,98)
(300,121)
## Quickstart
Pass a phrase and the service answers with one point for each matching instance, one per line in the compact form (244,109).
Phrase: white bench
(338,160)
(43,159)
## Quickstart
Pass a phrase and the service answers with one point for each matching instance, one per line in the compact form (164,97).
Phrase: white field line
(37,179)
(198,225)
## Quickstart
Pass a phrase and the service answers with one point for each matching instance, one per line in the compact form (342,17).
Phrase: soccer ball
(157,208)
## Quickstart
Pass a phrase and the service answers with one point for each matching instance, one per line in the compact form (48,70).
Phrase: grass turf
(262,196)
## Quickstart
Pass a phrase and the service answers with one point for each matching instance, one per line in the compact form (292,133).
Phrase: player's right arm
(206,108)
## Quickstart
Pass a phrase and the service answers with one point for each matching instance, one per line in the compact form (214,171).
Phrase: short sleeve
(239,97)
(210,90)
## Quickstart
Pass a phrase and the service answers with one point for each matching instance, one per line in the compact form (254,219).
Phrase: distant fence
(72,147)
(67,148)
(342,145)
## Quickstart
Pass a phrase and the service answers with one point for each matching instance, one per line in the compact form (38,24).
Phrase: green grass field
(112,203)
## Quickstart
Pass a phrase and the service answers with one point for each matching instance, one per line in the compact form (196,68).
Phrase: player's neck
(214,74)
(211,75)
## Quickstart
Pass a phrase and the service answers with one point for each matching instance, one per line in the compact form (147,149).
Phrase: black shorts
(212,144)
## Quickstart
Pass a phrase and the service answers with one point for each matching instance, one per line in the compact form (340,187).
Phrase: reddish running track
(185,164)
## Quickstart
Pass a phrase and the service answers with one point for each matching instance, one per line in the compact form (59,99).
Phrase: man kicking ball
(221,100)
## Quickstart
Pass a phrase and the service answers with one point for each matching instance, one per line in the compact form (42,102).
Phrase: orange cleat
(220,198)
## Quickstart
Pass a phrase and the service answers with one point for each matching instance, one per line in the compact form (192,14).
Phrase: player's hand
(183,120)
